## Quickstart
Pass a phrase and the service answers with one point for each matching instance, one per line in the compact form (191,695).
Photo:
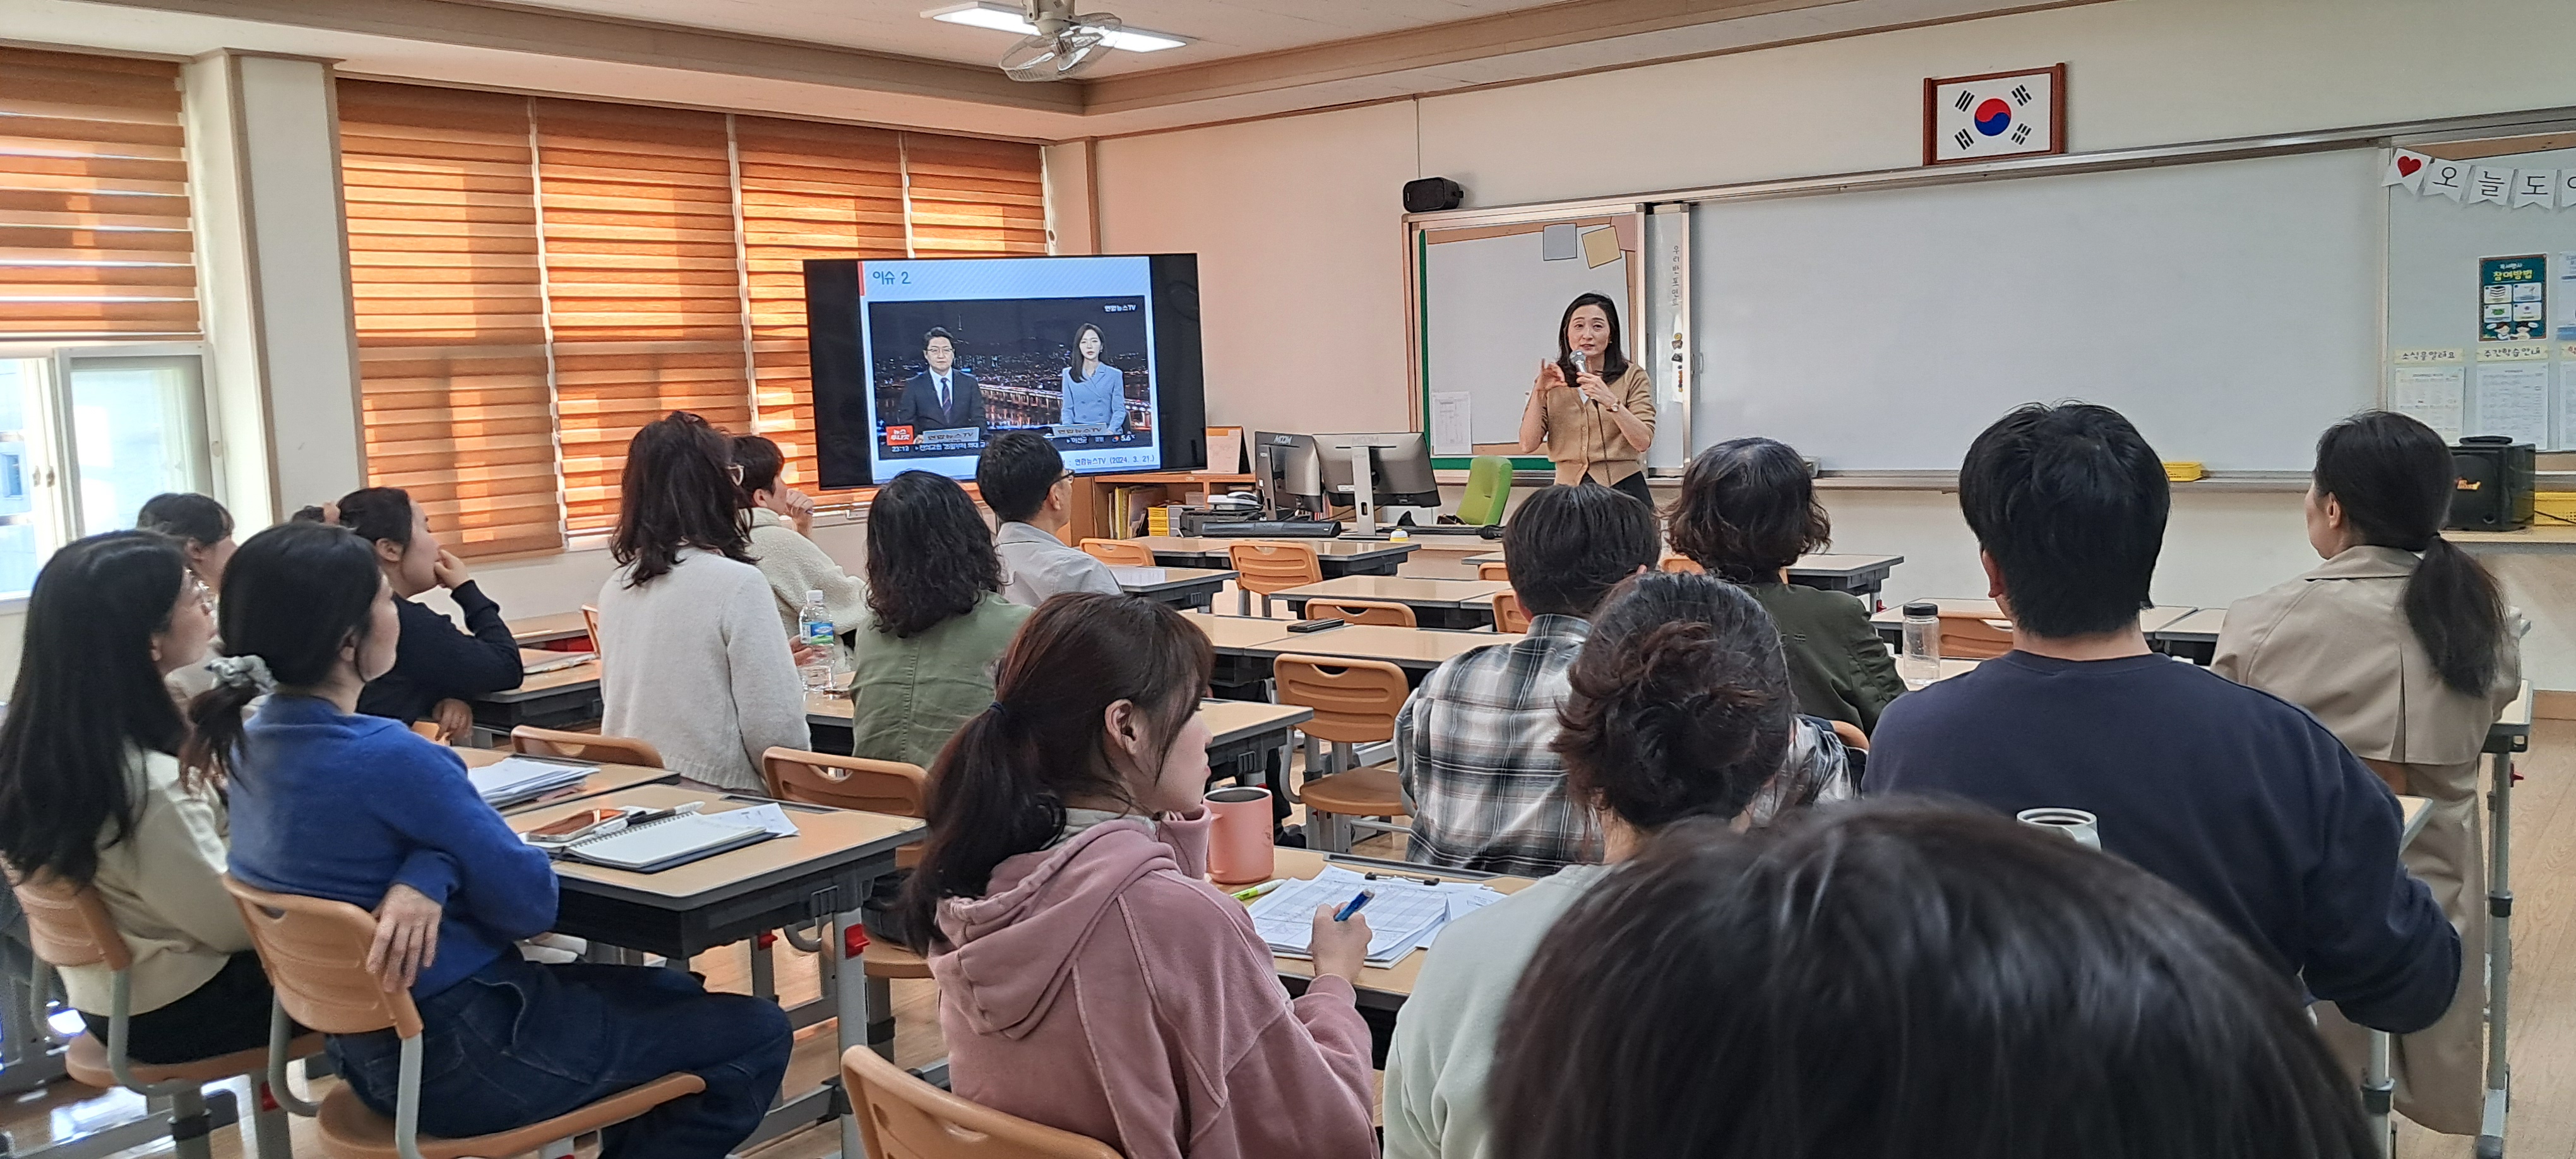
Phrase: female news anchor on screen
(1095,393)
(1599,427)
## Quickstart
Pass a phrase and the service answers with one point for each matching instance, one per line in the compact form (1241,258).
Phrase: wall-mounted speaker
(1432,194)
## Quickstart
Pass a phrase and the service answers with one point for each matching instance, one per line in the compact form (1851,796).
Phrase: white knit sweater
(796,565)
(694,662)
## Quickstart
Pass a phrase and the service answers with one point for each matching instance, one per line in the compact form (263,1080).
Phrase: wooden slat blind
(809,190)
(974,198)
(94,230)
(441,192)
(643,283)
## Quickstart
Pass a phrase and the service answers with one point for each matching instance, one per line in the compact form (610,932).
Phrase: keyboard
(1275,529)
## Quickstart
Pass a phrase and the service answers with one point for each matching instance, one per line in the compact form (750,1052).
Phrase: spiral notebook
(668,843)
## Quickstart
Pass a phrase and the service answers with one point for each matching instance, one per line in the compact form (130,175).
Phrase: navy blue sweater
(2237,797)
(345,807)
(434,662)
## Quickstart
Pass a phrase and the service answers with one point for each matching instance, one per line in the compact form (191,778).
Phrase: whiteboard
(2434,245)
(2231,309)
(1490,311)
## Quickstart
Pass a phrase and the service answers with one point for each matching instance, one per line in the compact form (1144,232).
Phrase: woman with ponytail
(330,803)
(1089,977)
(1680,707)
(2402,645)
(437,669)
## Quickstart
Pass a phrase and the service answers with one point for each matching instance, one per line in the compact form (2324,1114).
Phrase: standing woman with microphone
(1592,409)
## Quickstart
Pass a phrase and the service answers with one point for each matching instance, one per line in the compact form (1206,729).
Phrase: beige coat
(1585,443)
(2335,641)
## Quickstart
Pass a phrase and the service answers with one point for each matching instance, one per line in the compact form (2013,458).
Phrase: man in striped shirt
(1472,742)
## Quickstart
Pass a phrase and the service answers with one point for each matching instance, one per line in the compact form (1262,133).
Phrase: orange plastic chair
(902,1117)
(1682,564)
(316,955)
(1972,637)
(427,728)
(68,926)
(1355,702)
(1508,616)
(1385,612)
(838,782)
(1266,566)
(590,619)
(1497,571)
(528,741)
(1119,552)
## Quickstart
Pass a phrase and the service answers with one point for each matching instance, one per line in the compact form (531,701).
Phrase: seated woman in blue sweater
(329,803)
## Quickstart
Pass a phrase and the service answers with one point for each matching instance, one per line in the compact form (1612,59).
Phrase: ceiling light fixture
(1006,18)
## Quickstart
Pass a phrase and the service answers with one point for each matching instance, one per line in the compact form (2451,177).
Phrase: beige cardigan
(2335,642)
(163,886)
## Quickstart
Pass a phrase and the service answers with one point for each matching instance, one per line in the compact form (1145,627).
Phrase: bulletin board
(2482,291)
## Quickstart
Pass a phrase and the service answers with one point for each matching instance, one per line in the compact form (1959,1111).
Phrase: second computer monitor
(1400,464)
(1289,473)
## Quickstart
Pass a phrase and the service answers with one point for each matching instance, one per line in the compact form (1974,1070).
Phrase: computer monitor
(1289,473)
(1399,476)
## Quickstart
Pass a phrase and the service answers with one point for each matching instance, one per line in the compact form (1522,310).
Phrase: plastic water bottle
(1920,663)
(814,630)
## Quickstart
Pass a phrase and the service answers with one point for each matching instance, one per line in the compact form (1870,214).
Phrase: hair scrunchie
(244,672)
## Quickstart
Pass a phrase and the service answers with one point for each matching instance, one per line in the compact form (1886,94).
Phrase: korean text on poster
(2512,299)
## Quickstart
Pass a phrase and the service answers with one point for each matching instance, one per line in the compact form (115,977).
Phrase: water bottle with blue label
(814,630)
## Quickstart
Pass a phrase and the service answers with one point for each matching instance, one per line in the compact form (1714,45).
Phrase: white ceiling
(1221,28)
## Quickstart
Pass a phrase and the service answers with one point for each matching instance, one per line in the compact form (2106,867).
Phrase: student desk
(1181,587)
(603,779)
(2543,536)
(1239,731)
(1381,988)
(1338,557)
(1416,650)
(1234,638)
(820,875)
(2510,734)
(536,631)
(1889,622)
(1862,575)
(1436,603)
(2193,637)
(563,699)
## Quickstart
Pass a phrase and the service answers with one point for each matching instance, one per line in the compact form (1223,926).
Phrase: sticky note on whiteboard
(1561,243)
(1600,247)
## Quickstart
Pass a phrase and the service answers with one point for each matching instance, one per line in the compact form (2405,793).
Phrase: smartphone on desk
(1303,626)
(576,826)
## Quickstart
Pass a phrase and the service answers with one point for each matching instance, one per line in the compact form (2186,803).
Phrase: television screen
(920,362)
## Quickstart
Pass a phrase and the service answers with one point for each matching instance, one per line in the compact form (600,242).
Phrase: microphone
(1579,369)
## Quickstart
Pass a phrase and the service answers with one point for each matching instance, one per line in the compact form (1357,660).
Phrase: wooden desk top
(2150,621)
(1238,633)
(1843,563)
(2415,811)
(1216,545)
(1442,593)
(1140,580)
(1405,647)
(543,629)
(2540,536)
(606,779)
(582,675)
(826,837)
(1227,720)
(1396,980)
(531,659)
(2201,627)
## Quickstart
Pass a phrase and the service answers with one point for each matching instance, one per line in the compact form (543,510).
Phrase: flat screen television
(918,363)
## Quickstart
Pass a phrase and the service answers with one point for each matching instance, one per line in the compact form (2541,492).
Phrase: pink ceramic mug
(1239,849)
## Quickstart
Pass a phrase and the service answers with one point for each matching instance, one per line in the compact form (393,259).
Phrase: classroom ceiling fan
(1063,45)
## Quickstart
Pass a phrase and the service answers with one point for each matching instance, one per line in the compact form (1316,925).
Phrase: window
(86,435)
(537,277)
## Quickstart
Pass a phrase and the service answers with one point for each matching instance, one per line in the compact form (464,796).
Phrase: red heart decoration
(2406,166)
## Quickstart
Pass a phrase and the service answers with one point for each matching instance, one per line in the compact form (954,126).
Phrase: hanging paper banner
(2406,168)
(2446,179)
(2490,183)
(2535,187)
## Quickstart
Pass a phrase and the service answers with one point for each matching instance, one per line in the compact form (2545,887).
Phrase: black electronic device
(1276,529)
(1303,626)
(1432,194)
(2496,481)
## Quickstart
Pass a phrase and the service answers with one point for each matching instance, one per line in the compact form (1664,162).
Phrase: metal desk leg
(849,987)
(2499,956)
(2379,1093)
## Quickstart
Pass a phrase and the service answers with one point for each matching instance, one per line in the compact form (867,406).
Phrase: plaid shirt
(1471,752)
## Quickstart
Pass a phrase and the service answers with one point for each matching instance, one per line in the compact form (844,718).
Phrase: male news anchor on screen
(943,397)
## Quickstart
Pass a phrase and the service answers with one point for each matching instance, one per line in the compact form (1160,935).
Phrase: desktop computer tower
(2496,477)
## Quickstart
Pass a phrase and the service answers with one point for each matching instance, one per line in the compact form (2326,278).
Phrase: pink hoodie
(1103,988)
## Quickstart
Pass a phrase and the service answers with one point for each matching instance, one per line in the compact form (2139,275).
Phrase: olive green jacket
(909,696)
(1838,666)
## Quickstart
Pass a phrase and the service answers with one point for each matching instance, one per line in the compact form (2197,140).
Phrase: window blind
(973,198)
(440,186)
(809,190)
(94,238)
(643,283)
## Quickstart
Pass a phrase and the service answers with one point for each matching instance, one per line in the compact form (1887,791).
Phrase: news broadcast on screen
(919,363)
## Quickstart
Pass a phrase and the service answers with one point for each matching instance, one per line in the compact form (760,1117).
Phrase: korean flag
(1984,118)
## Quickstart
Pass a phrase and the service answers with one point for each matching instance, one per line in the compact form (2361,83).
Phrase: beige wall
(1297,220)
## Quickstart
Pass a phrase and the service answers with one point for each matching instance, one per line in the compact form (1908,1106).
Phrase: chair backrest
(1355,701)
(1268,567)
(584,746)
(1120,552)
(1489,491)
(1973,637)
(1496,571)
(68,925)
(315,952)
(902,1117)
(590,620)
(1385,612)
(430,729)
(1682,564)
(1508,616)
(836,782)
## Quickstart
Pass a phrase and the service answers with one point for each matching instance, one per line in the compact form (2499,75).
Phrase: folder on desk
(667,843)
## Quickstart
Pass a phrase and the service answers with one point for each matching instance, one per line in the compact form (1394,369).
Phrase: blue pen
(1353,906)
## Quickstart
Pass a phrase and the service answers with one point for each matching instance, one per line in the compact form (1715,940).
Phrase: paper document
(771,817)
(1449,423)
(513,779)
(2513,401)
(1403,916)
(2429,394)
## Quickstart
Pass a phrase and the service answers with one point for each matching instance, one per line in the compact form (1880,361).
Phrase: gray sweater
(694,662)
